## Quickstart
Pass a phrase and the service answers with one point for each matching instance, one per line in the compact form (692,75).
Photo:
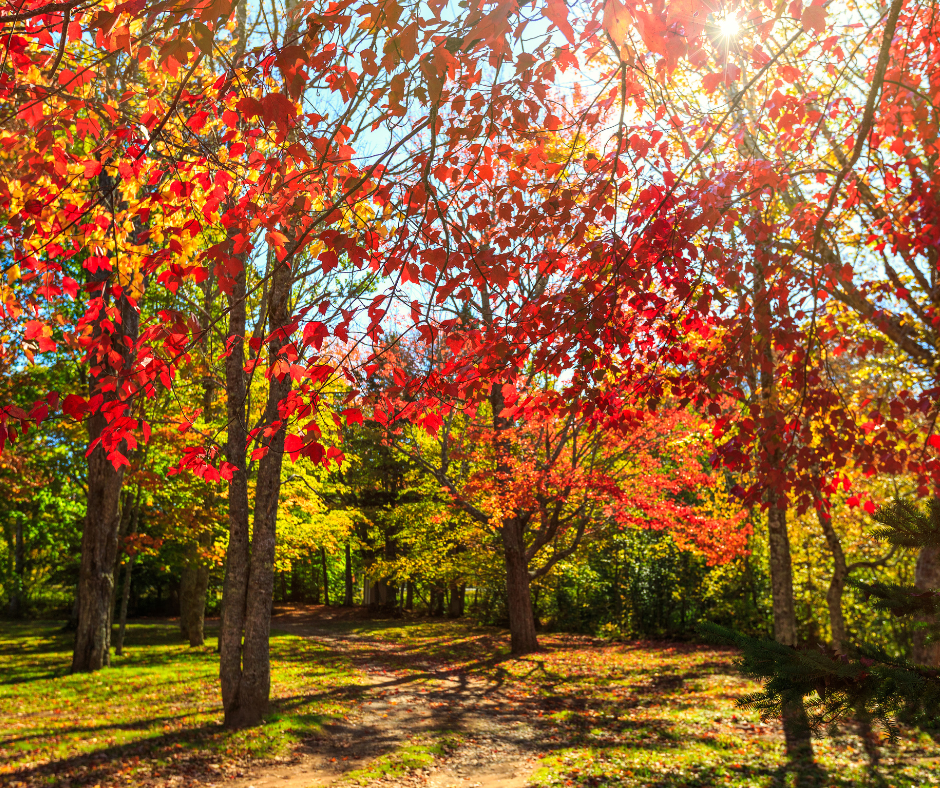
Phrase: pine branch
(900,600)
(904,524)
(834,687)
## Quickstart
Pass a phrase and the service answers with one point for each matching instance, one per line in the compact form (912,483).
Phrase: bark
(348,597)
(518,597)
(126,591)
(99,553)
(196,569)
(326,577)
(840,573)
(455,606)
(436,601)
(409,596)
(17,600)
(235,584)
(796,731)
(927,578)
(104,482)
(193,589)
(188,586)
(523,639)
(254,687)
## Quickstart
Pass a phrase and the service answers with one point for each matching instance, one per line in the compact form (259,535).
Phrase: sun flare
(729,25)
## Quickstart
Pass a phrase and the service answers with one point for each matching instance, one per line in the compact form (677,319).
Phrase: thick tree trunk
(455,606)
(99,553)
(104,481)
(326,577)
(927,578)
(522,635)
(348,596)
(237,557)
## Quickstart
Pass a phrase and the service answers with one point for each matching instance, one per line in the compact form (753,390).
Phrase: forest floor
(396,703)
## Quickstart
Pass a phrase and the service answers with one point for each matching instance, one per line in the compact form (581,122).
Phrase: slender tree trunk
(237,557)
(522,634)
(255,685)
(193,615)
(193,612)
(796,731)
(927,578)
(126,591)
(410,596)
(326,577)
(348,597)
(17,602)
(188,586)
(840,573)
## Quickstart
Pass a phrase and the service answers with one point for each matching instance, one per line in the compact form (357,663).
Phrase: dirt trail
(493,745)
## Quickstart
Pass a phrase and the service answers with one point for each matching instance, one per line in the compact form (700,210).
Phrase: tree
(836,686)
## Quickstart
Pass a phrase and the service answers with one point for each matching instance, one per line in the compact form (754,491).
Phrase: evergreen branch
(904,524)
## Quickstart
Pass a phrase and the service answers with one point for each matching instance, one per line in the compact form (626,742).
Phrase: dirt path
(459,730)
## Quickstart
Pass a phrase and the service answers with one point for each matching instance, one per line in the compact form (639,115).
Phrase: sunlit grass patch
(418,754)
(155,708)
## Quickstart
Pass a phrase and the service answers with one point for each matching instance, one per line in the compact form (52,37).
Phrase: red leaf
(557,12)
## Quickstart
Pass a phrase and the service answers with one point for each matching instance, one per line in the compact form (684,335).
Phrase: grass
(655,715)
(403,761)
(641,714)
(600,714)
(155,712)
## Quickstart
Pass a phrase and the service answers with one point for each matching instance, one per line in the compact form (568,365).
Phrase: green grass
(156,711)
(402,761)
(642,714)
(650,715)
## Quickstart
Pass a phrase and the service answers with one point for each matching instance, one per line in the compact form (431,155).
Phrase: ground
(360,702)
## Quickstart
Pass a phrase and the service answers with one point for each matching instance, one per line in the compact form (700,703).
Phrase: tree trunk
(326,577)
(17,601)
(188,586)
(518,598)
(104,481)
(455,606)
(254,687)
(126,591)
(235,584)
(839,574)
(99,553)
(196,568)
(796,731)
(410,596)
(193,588)
(348,597)
(927,578)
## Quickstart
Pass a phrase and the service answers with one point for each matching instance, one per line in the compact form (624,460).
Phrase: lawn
(155,713)
(640,714)
(593,713)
